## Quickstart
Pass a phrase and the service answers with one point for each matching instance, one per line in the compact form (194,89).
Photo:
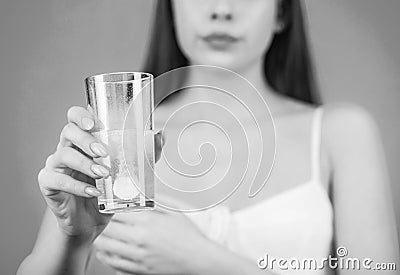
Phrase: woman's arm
(364,214)
(67,182)
(72,220)
(55,253)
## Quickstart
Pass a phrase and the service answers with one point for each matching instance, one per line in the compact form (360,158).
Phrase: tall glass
(123,103)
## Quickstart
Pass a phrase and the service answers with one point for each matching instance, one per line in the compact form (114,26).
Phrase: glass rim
(102,78)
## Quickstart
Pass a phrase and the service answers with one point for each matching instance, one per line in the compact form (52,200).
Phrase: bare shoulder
(353,147)
(347,124)
(359,175)
(339,115)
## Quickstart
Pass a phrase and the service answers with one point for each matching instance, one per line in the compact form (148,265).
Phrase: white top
(296,223)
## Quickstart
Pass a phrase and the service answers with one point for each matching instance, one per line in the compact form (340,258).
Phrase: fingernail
(92,191)
(98,149)
(87,123)
(100,170)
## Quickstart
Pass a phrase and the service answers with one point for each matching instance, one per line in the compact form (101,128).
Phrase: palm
(78,216)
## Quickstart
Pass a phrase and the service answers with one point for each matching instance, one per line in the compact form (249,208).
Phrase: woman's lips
(220,40)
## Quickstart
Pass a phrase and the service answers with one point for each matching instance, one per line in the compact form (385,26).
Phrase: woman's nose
(222,10)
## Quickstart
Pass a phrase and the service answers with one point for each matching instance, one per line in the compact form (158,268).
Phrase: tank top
(294,225)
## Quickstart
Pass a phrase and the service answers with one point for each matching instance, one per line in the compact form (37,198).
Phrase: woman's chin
(225,62)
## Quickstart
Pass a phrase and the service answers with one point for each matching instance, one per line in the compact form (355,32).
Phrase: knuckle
(62,183)
(71,111)
(65,184)
(40,176)
(64,131)
(45,192)
(49,161)
(83,162)
(44,182)
(75,188)
(60,144)
(67,129)
(64,154)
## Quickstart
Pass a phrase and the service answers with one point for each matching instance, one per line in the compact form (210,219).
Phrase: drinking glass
(123,103)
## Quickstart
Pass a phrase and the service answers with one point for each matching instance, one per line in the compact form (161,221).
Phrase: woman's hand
(67,180)
(153,242)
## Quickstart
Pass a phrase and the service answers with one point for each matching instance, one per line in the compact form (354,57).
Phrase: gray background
(47,47)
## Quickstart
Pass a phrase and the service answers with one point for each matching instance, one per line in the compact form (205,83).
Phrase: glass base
(124,206)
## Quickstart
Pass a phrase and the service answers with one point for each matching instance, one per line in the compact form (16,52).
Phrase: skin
(352,167)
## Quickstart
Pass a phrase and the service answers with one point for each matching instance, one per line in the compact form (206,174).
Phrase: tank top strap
(316,144)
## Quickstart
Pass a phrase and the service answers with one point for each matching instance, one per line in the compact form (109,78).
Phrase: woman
(265,42)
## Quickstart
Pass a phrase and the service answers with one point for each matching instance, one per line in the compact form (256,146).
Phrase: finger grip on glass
(122,104)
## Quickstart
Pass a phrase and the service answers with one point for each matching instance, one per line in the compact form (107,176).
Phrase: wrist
(74,241)
(69,255)
(77,245)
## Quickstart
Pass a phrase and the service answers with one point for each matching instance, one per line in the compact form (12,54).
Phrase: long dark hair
(287,64)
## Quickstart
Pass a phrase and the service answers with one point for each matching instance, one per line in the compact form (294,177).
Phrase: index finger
(81,117)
